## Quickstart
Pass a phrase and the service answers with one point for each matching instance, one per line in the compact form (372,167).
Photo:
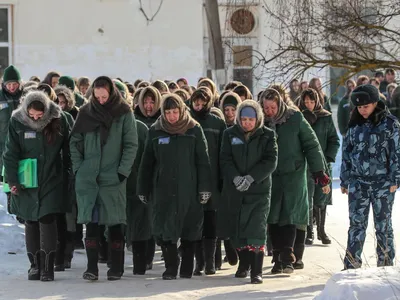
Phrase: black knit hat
(364,94)
(68,81)
(11,74)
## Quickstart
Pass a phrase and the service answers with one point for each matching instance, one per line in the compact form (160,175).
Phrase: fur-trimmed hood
(253,104)
(231,98)
(68,95)
(157,100)
(51,111)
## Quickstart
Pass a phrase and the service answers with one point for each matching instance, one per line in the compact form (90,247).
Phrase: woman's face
(172,115)
(83,89)
(230,113)
(350,86)
(366,110)
(181,83)
(304,86)
(35,114)
(54,81)
(295,86)
(62,102)
(318,84)
(310,104)
(12,86)
(199,104)
(270,108)
(248,124)
(148,104)
(101,95)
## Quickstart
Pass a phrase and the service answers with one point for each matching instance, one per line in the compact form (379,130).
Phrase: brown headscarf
(318,111)
(157,100)
(185,121)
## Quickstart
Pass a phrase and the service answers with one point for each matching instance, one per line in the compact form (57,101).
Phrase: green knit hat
(11,74)
(68,81)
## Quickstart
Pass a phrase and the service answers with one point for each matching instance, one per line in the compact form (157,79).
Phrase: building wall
(111,37)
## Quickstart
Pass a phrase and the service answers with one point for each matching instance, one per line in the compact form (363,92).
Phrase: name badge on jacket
(30,135)
(163,141)
(3,105)
(237,141)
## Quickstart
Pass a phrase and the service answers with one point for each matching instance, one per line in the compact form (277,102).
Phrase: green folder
(27,174)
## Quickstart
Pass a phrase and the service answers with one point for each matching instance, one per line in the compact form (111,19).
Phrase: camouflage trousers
(361,197)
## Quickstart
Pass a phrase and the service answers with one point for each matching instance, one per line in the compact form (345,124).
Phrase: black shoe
(277,268)
(321,227)
(287,258)
(171,261)
(59,268)
(139,257)
(34,271)
(117,254)
(310,236)
(92,253)
(231,253)
(47,265)
(149,266)
(244,264)
(32,241)
(298,265)
(287,268)
(91,276)
(199,255)
(187,251)
(209,255)
(256,262)
(67,264)
(298,249)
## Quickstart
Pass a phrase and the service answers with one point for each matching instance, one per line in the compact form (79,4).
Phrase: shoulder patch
(236,141)
(163,140)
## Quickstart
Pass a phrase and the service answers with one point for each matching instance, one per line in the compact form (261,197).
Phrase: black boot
(186,270)
(117,257)
(209,255)
(244,264)
(92,253)
(276,259)
(299,249)
(310,235)
(218,255)
(48,247)
(199,254)
(231,253)
(321,229)
(32,241)
(60,255)
(69,249)
(139,257)
(317,215)
(79,237)
(103,246)
(151,249)
(287,258)
(171,261)
(256,261)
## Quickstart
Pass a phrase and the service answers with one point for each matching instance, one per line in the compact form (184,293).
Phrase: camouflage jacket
(371,152)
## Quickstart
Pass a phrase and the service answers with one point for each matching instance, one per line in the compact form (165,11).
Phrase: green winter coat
(79,99)
(53,163)
(343,114)
(138,214)
(96,170)
(213,128)
(298,146)
(173,170)
(325,131)
(8,103)
(244,217)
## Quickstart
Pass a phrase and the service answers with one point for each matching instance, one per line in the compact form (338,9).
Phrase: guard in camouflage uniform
(370,174)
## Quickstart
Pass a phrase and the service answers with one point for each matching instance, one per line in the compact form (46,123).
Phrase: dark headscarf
(96,117)
(318,112)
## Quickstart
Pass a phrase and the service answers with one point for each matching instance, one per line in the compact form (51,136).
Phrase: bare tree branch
(150,19)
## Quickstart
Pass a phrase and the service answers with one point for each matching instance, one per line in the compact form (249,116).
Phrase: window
(5,38)
(243,65)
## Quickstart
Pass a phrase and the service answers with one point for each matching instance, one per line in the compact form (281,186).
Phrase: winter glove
(18,186)
(143,199)
(240,183)
(204,197)
(121,177)
(321,178)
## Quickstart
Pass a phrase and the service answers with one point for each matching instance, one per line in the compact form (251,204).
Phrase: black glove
(121,177)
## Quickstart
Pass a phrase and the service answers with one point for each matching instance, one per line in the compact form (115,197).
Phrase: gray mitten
(204,197)
(239,182)
(143,199)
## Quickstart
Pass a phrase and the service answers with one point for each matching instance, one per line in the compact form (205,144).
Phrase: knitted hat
(230,99)
(248,112)
(68,81)
(364,94)
(11,74)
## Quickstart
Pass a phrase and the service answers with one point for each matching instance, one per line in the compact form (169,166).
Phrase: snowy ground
(321,263)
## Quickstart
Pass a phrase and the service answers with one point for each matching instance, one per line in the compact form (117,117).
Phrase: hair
(310,93)
(102,83)
(243,91)
(161,86)
(292,81)
(362,78)
(348,91)
(143,84)
(183,80)
(137,82)
(270,94)
(371,80)
(187,89)
(53,129)
(131,87)
(48,90)
(85,81)
(202,93)
(35,78)
(183,94)
(169,103)
(280,88)
(136,96)
(201,78)
(149,94)
(50,76)
(313,85)
(231,85)
(379,74)
(389,71)
(173,86)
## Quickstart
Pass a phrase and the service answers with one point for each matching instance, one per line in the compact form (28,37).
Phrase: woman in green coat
(213,128)
(175,177)
(298,147)
(38,130)
(322,123)
(103,148)
(248,158)
(148,106)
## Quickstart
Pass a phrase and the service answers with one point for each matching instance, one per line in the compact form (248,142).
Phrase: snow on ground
(321,262)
